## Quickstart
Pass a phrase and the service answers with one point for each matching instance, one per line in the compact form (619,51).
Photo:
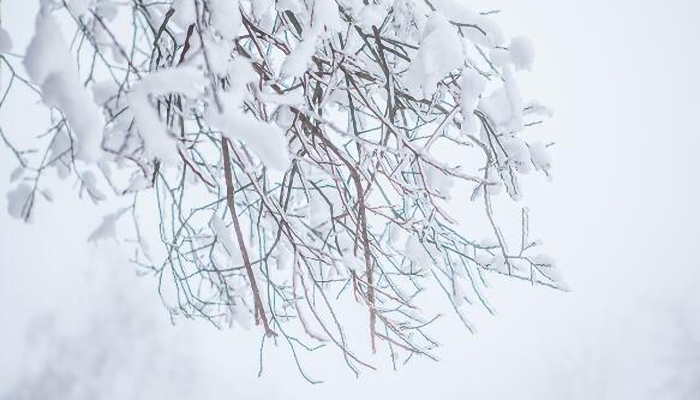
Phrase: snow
(483,259)
(499,57)
(544,259)
(535,108)
(538,331)
(285,258)
(107,10)
(158,141)
(261,8)
(224,235)
(299,60)
(137,184)
(371,14)
(488,242)
(168,288)
(187,80)
(438,181)
(59,150)
(16,174)
(458,295)
(241,315)
(49,64)
(409,18)
(417,253)
(319,214)
(522,52)
(108,227)
(90,185)
(227,93)
(5,41)
(505,105)
(65,91)
(241,73)
(518,154)
(440,52)
(497,106)
(17,201)
(266,140)
(218,53)
(185,13)
(324,13)
(79,7)
(353,262)
(472,85)
(514,98)
(47,51)
(457,12)
(103,91)
(225,17)
(288,5)
(294,98)
(498,264)
(540,156)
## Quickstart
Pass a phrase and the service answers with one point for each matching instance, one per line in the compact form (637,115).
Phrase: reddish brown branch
(259,308)
(199,174)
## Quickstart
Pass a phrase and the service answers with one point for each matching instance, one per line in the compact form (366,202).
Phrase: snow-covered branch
(290,151)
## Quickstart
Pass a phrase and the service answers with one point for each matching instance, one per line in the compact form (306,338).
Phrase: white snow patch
(185,12)
(18,201)
(522,52)
(299,60)
(49,64)
(226,17)
(473,85)
(505,105)
(416,252)
(5,41)
(478,28)
(108,227)
(440,52)
(79,7)
(540,156)
(266,140)
(157,140)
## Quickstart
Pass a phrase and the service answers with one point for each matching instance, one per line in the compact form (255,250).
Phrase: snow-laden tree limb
(288,150)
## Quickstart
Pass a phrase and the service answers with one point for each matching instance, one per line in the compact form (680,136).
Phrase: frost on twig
(289,152)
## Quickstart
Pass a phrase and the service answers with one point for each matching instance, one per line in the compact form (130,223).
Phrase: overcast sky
(620,217)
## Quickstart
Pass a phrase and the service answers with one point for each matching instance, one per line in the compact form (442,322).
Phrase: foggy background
(620,217)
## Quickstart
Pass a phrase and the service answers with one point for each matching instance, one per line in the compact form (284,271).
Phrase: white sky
(620,217)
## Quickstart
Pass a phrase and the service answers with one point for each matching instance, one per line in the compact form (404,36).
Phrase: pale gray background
(620,216)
